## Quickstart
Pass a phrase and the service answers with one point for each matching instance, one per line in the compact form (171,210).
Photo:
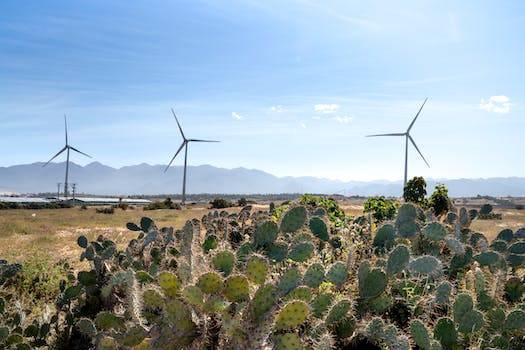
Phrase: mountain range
(99,179)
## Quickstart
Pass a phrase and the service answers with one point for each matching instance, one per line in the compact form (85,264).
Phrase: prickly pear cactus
(300,277)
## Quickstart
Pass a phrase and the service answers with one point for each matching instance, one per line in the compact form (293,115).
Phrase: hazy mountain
(96,178)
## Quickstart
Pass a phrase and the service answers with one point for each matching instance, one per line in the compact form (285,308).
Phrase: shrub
(165,204)
(123,206)
(486,209)
(439,201)
(242,202)
(105,210)
(335,213)
(381,208)
(39,279)
(415,191)
(221,203)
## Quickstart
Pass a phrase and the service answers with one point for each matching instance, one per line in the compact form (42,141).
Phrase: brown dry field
(55,231)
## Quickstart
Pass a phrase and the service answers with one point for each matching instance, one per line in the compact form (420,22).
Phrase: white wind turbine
(184,144)
(408,137)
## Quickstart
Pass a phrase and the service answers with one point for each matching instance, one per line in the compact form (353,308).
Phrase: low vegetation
(168,203)
(381,208)
(221,203)
(245,280)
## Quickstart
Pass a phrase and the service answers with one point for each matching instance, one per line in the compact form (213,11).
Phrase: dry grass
(512,218)
(55,230)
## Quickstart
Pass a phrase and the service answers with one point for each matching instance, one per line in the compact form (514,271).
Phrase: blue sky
(289,87)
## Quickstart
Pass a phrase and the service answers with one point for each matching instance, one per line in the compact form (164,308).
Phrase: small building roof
(7,199)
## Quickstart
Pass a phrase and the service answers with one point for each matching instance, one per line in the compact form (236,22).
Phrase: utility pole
(74,189)
(58,190)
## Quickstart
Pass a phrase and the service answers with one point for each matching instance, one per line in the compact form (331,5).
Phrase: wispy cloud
(326,108)
(497,104)
(277,109)
(343,119)
(237,116)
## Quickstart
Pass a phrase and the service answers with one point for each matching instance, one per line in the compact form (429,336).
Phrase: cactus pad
(289,341)
(106,320)
(515,321)
(224,262)
(237,289)
(443,291)
(210,283)
(337,274)
(445,332)
(86,327)
(277,252)
(265,234)
(314,276)
(517,248)
(193,295)
(435,231)
(301,252)
(169,283)
(294,219)
(211,242)
(397,260)
(385,237)
(372,283)
(257,269)
(426,265)
(338,312)
(321,303)
(319,228)
(289,281)
(300,293)
(263,300)
(420,334)
(505,235)
(292,315)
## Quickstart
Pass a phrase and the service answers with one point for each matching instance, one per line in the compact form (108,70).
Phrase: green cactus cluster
(248,281)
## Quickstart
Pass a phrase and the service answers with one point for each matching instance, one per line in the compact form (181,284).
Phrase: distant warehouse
(24,200)
(12,201)
(105,201)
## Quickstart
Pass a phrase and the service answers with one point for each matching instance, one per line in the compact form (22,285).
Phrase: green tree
(439,200)
(381,208)
(415,190)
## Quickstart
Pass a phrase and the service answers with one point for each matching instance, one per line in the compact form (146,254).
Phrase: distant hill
(96,178)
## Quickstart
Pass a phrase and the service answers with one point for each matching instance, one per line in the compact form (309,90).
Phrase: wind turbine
(407,136)
(66,148)
(184,144)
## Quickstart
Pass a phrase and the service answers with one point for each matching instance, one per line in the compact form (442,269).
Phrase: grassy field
(54,231)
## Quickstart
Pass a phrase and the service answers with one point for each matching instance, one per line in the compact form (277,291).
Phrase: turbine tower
(407,136)
(184,145)
(66,148)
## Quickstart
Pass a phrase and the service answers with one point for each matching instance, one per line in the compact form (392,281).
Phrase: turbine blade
(76,150)
(418,151)
(180,128)
(393,134)
(65,126)
(56,155)
(197,140)
(176,153)
(413,121)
